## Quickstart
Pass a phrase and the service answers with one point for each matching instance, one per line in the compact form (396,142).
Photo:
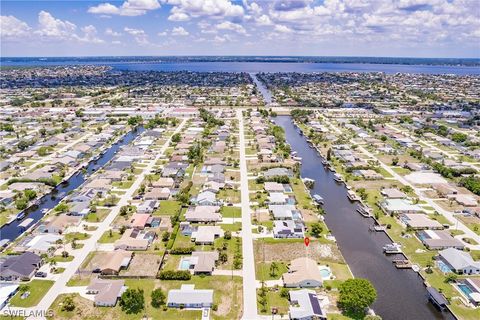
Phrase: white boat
(392,248)
(352,196)
(21,215)
(318,199)
(297,158)
(415,268)
(365,212)
(25,223)
(337,177)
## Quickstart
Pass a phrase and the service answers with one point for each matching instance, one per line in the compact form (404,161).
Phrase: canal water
(401,293)
(13,230)
(267,95)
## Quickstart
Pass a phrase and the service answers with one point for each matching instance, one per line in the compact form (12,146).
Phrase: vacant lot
(36,288)
(143,265)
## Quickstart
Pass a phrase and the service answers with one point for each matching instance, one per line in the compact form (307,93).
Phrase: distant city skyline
(406,28)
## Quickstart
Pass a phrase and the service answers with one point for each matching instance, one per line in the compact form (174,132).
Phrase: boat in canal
(318,199)
(392,248)
(352,196)
(337,177)
(364,211)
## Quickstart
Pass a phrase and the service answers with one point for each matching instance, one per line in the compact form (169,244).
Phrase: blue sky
(413,28)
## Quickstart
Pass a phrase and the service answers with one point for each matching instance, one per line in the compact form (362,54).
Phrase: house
(81,208)
(201,262)
(203,214)
(99,184)
(444,189)
(398,206)
(139,220)
(305,305)
(157,194)
(164,183)
(439,239)
(370,174)
(7,290)
(277,198)
(283,211)
(148,206)
(460,262)
(207,234)
(419,221)
(206,198)
(59,224)
(392,193)
(132,240)
(114,261)
(466,200)
(472,289)
(106,292)
(189,297)
(287,229)
(42,243)
(274,187)
(302,272)
(278,172)
(20,267)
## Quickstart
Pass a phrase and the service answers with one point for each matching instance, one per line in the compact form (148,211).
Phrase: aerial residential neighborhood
(250,160)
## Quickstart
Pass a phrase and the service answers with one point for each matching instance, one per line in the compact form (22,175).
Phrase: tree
(30,194)
(227,235)
(316,229)
(356,295)
(451,278)
(329,154)
(132,301)
(176,138)
(158,298)
(395,161)
(68,304)
(273,269)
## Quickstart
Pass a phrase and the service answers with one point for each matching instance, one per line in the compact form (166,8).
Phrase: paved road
(91,243)
(249,283)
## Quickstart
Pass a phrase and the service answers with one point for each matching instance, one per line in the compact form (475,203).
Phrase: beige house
(302,273)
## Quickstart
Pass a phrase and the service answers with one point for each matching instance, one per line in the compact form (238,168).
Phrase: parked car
(40,274)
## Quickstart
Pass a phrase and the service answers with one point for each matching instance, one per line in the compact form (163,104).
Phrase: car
(96,270)
(40,274)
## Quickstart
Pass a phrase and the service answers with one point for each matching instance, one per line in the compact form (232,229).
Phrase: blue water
(325,273)
(185,265)
(443,267)
(250,67)
(465,289)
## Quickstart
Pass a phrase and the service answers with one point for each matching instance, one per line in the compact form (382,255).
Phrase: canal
(401,293)
(267,95)
(49,201)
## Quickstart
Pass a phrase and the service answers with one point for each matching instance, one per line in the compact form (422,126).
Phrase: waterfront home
(398,206)
(460,262)
(114,261)
(302,272)
(79,208)
(58,224)
(439,239)
(99,184)
(200,262)
(106,292)
(20,267)
(419,221)
(203,214)
(207,234)
(305,305)
(393,193)
(189,297)
(132,239)
(288,229)
(470,287)
(370,174)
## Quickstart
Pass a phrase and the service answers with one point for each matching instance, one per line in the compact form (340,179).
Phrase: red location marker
(306,241)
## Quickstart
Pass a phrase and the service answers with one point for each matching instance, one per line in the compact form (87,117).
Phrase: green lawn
(76,235)
(262,271)
(274,300)
(98,216)
(61,259)
(231,212)
(106,238)
(168,208)
(37,289)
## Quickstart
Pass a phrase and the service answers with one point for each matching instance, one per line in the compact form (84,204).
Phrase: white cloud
(179,31)
(227,25)
(12,28)
(282,29)
(128,8)
(139,35)
(162,34)
(90,35)
(112,33)
(184,10)
(50,27)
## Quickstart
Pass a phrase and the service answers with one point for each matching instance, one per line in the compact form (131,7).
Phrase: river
(401,293)
(49,201)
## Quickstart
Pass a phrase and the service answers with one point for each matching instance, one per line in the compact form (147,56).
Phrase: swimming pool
(184,265)
(465,289)
(443,267)
(325,272)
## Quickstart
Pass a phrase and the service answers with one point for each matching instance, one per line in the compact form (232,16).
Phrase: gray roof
(23,264)
(187,294)
(458,259)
